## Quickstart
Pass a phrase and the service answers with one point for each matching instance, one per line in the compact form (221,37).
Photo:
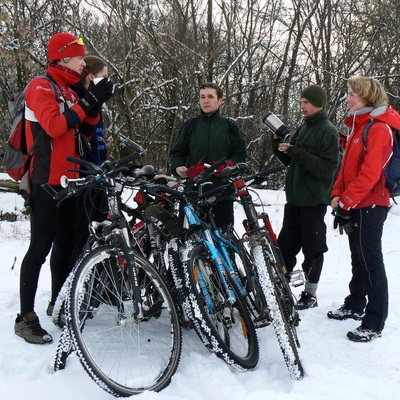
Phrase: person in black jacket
(206,139)
(312,157)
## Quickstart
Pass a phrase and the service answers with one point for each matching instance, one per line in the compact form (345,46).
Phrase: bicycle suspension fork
(123,239)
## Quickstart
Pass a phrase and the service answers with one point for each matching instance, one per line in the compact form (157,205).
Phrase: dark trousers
(368,270)
(91,206)
(304,229)
(223,213)
(50,226)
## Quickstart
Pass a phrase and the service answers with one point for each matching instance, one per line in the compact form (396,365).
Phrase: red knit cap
(63,44)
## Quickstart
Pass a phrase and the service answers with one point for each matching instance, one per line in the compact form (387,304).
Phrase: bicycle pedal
(261,323)
(297,278)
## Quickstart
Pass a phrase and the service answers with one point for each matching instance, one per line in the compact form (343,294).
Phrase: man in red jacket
(361,200)
(52,123)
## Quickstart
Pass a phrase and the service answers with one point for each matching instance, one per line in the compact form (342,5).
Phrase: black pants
(50,226)
(368,270)
(223,214)
(304,228)
(92,206)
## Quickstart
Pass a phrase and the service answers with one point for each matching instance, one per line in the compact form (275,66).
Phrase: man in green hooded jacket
(312,157)
(206,139)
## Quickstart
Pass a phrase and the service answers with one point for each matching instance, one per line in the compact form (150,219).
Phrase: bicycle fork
(138,312)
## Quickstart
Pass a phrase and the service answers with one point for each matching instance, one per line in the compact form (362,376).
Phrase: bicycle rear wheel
(283,324)
(224,324)
(123,355)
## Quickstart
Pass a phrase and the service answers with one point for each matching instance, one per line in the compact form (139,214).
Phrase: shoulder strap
(57,96)
(233,127)
(191,124)
(368,126)
(188,128)
(365,132)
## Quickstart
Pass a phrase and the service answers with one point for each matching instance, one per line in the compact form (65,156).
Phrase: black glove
(94,112)
(343,221)
(298,153)
(96,95)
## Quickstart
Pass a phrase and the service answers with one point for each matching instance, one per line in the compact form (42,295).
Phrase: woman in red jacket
(52,122)
(361,200)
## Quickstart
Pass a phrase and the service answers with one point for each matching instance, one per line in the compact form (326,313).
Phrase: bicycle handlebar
(234,170)
(239,168)
(208,171)
(127,159)
(95,173)
(266,172)
(133,145)
(81,162)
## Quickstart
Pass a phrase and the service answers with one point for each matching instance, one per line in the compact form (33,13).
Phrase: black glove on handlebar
(96,95)
(343,221)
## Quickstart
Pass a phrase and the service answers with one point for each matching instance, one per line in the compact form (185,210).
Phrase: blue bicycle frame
(219,255)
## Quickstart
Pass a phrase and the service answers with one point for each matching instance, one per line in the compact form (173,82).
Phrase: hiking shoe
(50,309)
(345,313)
(29,329)
(363,335)
(306,300)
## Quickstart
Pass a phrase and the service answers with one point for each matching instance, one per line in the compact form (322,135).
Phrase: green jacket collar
(212,117)
(317,117)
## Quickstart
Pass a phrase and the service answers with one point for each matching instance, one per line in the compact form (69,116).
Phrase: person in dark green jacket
(205,139)
(312,157)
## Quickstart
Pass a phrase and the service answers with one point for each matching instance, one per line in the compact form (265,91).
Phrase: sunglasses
(77,41)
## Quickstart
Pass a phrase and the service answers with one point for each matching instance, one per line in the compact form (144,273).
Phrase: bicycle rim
(255,299)
(228,328)
(284,330)
(123,356)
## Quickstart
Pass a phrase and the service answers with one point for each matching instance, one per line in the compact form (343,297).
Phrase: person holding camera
(312,155)
(54,116)
(361,199)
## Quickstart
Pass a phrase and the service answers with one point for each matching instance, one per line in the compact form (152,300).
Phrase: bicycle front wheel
(123,354)
(222,321)
(285,330)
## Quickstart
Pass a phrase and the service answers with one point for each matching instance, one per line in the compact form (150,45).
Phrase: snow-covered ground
(335,368)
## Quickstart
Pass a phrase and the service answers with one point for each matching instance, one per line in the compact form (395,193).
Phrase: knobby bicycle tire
(176,254)
(123,356)
(244,266)
(226,329)
(284,331)
(58,315)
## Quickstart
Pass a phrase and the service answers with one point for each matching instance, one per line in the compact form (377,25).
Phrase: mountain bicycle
(255,259)
(207,298)
(261,266)
(120,318)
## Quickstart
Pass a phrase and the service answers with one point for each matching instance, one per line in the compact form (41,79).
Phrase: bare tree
(262,52)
